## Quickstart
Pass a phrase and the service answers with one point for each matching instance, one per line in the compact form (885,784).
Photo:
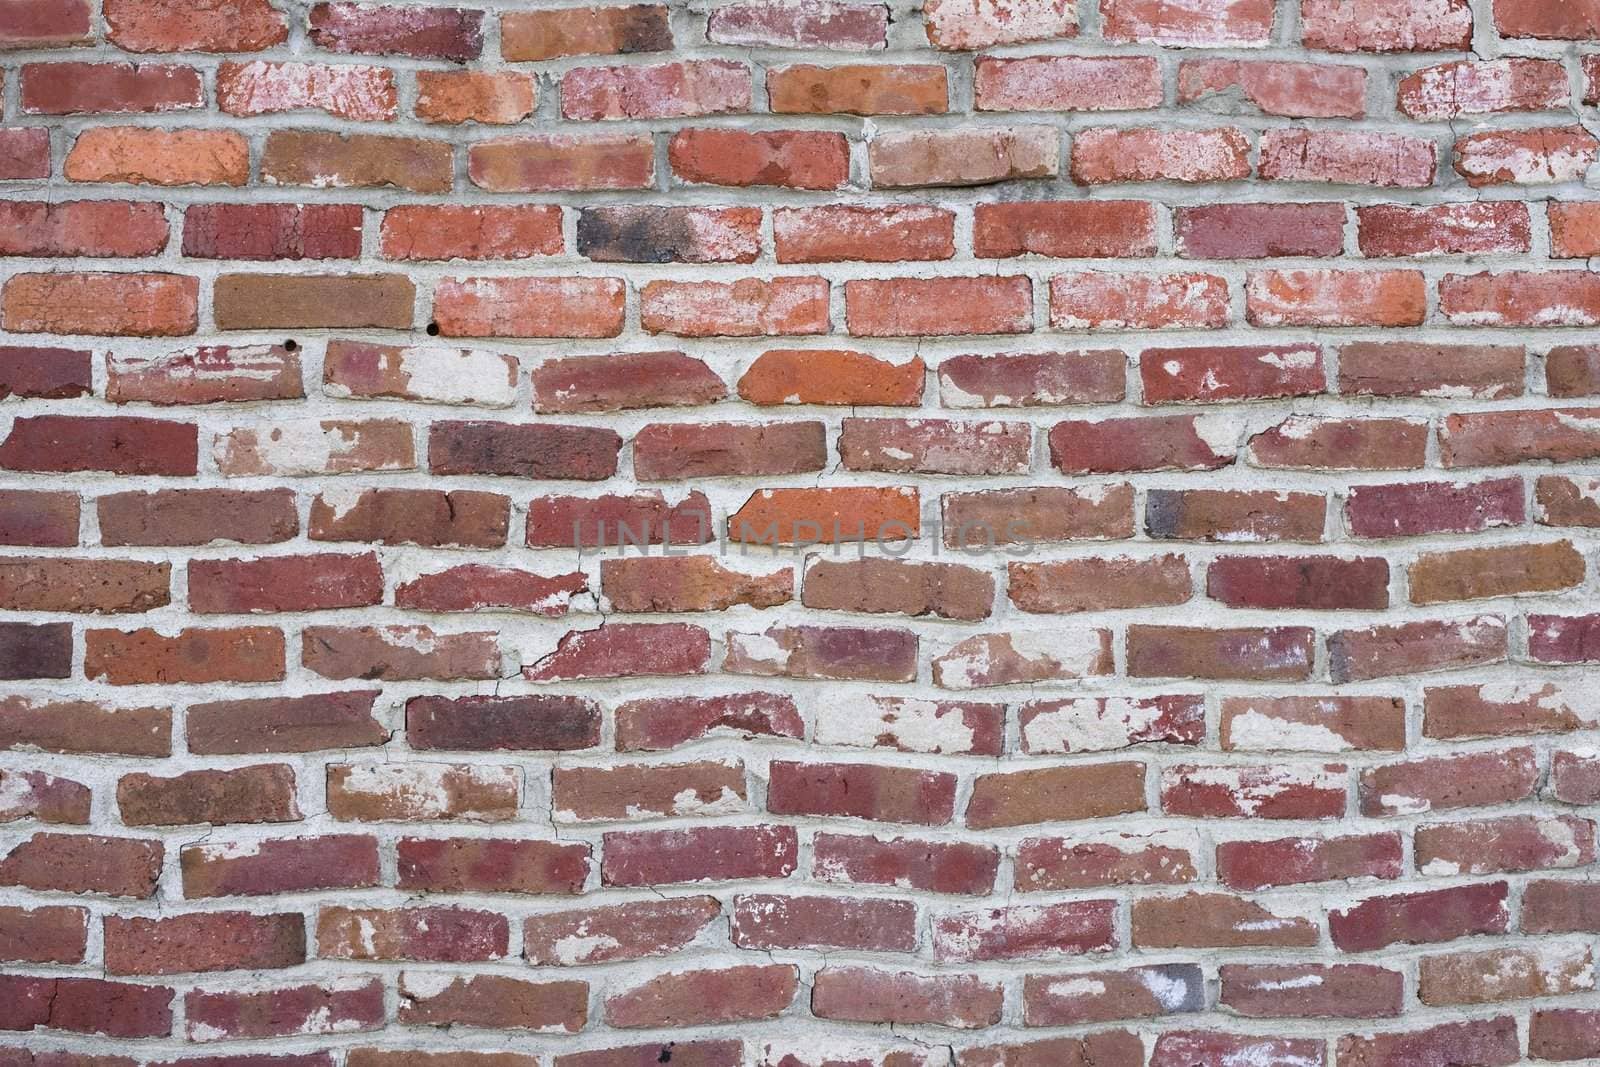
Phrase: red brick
(659,723)
(1026,930)
(1198,375)
(768,921)
(1415,508)
(1218,920)
(493,1000)
(281,865)
(690,583)
(1102,996)
(975,24)
(1416,647)
(861,790)
(935,446)
(1215,23)
(858,89)
(749,307)
(623,381)
(624,650)
(1065,229)
(845,233)
(81,228)
(430,517)
(809,24)
(617,932)
(359,93)
(1109,301)
(1451,90)
(184,26)
(860,994)
(418,32)
(476,586)
(663,91)
(314,301)
(1564,639)
(697,998)
(1099,584)
(1318,583)
(1420,918)
(46,373)
(1308,442)
(1067,83)
(1180,1048)
(521,450)
(1541,156)
(285,724)
(1300,991)
(1335,298)
(42,650)
(356,160)
(640,791)
(214,941)
(669,234)
(989,659)
(1146,154)
(44,798)
(1157,442)
(1253,865)
(84,727)
(491,865)
(1234,515)
(206,375)
(1033,379)
(837,652)
(86,1006)
(1495,438)
(959,157)
(1261,654)
(560,161)
(43,935)
(1369,26)
(193,656)
(1255,792)
(138,156)
(414,792)
(792,159)
(706,853)
(1510,843)
(908,307)
(647,517)
(25,151)
(1314,723)
(1348,158)
(456,231)
(84,863)
(584,31)
(398,653)
(1575,777)
(934,866)
(45,23)
(456,96)
(1520,298)
(1506,570)
(432,373)
(675,451)
(826,516)
(1574,230)
(831,376)
(1564,1034)
(1259,231)
(261,793)
(315,446)
(1490,1042)
(340,1005)
(284,583)
(1053,794)
(1479,227)
(1278,87)
(431,934)
(104,305)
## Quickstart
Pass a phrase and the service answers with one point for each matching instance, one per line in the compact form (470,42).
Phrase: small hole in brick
(433,329)
(291,345)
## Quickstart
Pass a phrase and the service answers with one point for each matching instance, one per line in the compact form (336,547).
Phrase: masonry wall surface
(1116,486)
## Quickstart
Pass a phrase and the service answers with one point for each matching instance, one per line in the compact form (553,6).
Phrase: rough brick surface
(799,533)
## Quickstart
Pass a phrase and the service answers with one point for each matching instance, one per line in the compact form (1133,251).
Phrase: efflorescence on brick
(799,532)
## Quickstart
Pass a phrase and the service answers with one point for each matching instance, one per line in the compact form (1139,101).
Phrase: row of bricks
(694,583)
(266,793)
(163,304)
(1325,724)
(459,34)
(199,655)
(816,160)
(1283,88)
(1063,229)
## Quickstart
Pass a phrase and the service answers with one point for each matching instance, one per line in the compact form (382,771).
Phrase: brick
(825,516)
(284,583)
(1217,920)
(946,590)
(1430,26)
(1065,229)
(431,373)
(1562,639)
(43,935)
(1308,442)
(1252,865)
(179,26)
(377,792)
(1287,792)
(1551,906)
(1496,438)
(907,724)
(809,24)
(1026,930)
(315,301)
(1384,160)
(1510,843)
(430,934)
(1260,654)
(1234,515)
(38,518)
(491,865)
(1416,647)
(661,91)
(1033,379)
(623,381)
(1066,83)
(84,586)
(103,305)
(1103,996)
(25,152)
(749,307)
(359,93)
(1340,991)
(1213,24)
(1520,298)
(356,161)
(214,941)
(636,791)
(1104,154)
(533,450)
(1574,231)
(1526,157)
(84,863)
(617,932)
(863,791)
(1049,863)
(1199,375)
(1205,1046)
(1161,442)
(456,96)
(792,159)
(1491,1042)
(675,451)
(1415,508)
(837,652)
(398,653)
(1314,724)
(858,89)
(553,162)
(304,447)
(992,659)
(88,1006)
(1472,780)
(158,157)
(46,23)
(846,233)
(262,793)
(669,235)
(285,724)
(1276,87)
(46,373)
(654,724)
(1104,1046)
(692,583)
(206,375)
(1446,229)
(1335,298)
(980,156)
(708,853)
(1082,791)
(449,231)
(624,650)
(976,24)
(935,866)
(861,994)
(84,727)
(692,998)
(1319,583)
(429,517)
(340,1005)
(44,798)
(1099,584)
(1102,300)
(1476,573)
(192,656)
(767,921)
(475,586)
(1479,372)
(82,228)
(570,521)
(538,35)
(493,1000)
(935,446)
(1429,917)
(279,865)
(30,650)
(420,33)
(1493,710)
(1564,1034)
(1259,231)
(1451,90)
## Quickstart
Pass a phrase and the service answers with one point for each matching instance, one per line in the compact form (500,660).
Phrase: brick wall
(1214,383)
